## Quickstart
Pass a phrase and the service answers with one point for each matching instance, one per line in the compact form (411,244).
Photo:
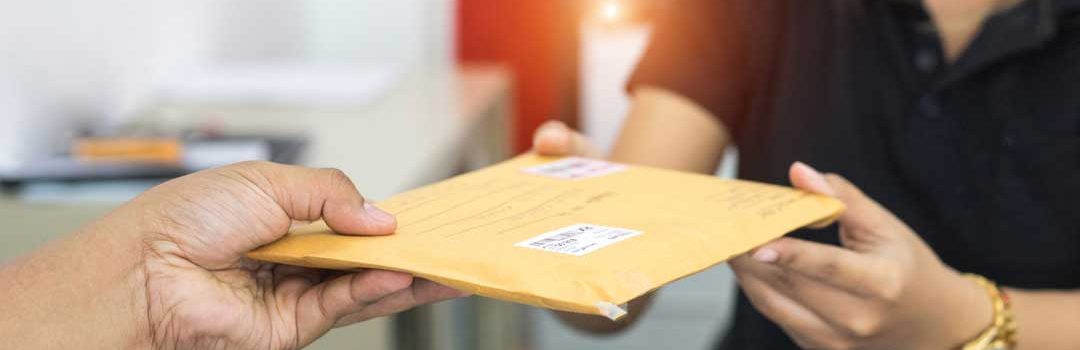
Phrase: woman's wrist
(965,311)
(975,313)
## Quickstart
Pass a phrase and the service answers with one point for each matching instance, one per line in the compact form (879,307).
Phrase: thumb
(861,213)
(308,194)
(554,138)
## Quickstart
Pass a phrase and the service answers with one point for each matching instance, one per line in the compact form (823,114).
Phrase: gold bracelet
(1001,335)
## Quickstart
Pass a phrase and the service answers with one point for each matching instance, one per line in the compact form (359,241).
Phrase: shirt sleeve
(698,50)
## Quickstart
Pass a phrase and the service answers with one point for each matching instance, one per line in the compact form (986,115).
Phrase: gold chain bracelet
(1001,335)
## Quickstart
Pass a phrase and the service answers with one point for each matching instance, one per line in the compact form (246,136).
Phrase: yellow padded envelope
(569,234)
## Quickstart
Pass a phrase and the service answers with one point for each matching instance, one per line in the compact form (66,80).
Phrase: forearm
(76,292)
(669,131)
(1046,320)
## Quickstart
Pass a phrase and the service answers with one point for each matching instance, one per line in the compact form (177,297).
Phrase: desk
(430,126)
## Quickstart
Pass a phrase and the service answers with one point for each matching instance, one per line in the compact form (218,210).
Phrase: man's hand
(884,289)
(202,293)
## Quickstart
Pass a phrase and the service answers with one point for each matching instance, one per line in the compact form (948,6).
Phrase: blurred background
(102,99)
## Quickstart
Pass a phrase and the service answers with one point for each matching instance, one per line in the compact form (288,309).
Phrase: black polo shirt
(981,156)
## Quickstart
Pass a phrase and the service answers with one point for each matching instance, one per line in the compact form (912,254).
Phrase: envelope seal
(611,311)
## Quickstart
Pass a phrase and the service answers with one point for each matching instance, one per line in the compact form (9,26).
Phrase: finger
(862,214)
(311,194)
(804,326)
(808,179)
(292,281)
(422,292)
(323,305)
(839,267)
(843,312)
(554,138)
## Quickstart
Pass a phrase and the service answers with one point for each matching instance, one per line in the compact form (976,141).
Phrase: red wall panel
(530,36)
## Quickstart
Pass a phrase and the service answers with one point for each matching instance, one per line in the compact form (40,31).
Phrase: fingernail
(766,255)
(817,180)
(377,214)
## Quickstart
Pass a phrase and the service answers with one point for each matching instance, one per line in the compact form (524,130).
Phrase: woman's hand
(556,139)
(884,289)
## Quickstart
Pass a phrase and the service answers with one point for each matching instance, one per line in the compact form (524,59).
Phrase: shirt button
(926,60)
(930,107)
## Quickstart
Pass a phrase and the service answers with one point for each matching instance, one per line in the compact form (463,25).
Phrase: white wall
(86,62)
(359,31)
(405,31)
(608,56)
(97,62)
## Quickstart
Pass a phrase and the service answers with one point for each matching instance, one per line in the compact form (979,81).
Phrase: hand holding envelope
(571,234)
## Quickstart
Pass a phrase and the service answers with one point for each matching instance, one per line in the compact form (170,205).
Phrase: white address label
(579,239)
(573,168)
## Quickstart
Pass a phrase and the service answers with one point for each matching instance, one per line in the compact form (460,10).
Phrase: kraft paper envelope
(569,234)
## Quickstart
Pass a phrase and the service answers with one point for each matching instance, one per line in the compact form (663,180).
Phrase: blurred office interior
(102,99)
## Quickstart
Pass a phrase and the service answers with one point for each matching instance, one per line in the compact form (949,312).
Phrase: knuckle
(255,175)
(334,173)
(785,280)
(829,270)
(890,287)
(863,326)
(252,168)
(890,292)
(337,180)
(255,164)
(336,177)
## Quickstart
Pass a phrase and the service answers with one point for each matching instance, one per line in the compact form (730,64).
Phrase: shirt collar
(1049,10)
(1024,27)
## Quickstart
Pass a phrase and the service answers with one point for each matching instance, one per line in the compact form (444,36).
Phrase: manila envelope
(570,234)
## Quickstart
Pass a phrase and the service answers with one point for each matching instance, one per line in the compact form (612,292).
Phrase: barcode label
(579,239)
(574,168)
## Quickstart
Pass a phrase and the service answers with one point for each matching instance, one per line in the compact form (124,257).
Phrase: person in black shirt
(960,117)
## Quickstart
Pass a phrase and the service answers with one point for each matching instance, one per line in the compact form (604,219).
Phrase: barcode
(556,238)
(579,239)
